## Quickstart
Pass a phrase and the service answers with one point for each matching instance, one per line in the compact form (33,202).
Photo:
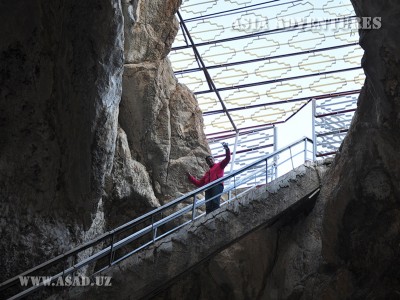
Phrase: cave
(97,129)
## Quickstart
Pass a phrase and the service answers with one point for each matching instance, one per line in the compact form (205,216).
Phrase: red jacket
(215,172)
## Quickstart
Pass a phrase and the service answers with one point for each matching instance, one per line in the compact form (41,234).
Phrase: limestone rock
(128,187)
(238,272)
(164,127)
(360,234)
(150,29)
(189,145)
(161,117)
(151,269)
(161,127)
(60,77)
(347,246)
(277,262)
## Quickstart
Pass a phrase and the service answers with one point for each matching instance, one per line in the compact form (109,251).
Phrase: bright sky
(282,66)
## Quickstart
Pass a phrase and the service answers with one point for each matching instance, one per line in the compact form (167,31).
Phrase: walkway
(148,271)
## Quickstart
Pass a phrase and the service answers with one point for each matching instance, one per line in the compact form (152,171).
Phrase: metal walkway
(255,66)
(117,245)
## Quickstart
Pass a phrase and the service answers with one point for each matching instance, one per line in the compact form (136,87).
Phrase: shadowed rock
(153,268)
(61,68)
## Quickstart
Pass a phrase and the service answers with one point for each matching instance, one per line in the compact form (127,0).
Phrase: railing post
(153,230)
(194,207)
(63,275)
(230,192)
(111,250)
(276,157)
(291,157)
(233,159)
(305,150)
(115,243)
(314,135)
(64,267)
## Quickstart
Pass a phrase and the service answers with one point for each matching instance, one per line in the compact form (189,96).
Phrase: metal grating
(332,120)
(254,64)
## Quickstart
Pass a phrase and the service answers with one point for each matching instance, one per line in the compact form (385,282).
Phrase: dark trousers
(213,204)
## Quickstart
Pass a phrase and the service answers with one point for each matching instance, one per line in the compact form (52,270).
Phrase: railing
(120,243)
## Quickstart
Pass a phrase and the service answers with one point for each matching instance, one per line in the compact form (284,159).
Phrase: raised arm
(227,158)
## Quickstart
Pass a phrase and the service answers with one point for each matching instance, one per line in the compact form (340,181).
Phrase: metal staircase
(122,242)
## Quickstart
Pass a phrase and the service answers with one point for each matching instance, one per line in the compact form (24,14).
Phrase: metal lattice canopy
(254,64)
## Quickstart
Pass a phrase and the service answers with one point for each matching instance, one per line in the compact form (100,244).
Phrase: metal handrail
(115,245)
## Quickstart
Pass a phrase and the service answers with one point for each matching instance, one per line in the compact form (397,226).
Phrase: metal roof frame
(202,30)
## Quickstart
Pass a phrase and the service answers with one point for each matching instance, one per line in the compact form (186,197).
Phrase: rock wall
(276,262)
(161,118)
(360,229)
(128,190)
(150,270)
(65,66)
(346,247)
(61,66)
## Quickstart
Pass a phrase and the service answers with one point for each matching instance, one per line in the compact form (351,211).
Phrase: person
(216,171)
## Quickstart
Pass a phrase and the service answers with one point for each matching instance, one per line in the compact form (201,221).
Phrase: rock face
(360,235)
(128,189)
(161,125)
(169,257)
(161,118)
(347,246)
(273,262)
(64,67)
(150,29)
(61,66)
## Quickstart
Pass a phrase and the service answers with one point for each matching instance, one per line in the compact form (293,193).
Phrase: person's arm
(196,182)
(227,158)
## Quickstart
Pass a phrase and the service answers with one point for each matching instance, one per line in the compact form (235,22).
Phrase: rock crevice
(60,77)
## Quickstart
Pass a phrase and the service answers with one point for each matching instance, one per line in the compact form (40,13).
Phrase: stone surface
(129,192)
(161,118)
(238,272)
(61,79)
(164,127)
(360,230)
(152,268)
(347,246)
(276,262)
(60,76)
(150,29)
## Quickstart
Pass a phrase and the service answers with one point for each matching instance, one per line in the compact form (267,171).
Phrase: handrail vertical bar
(233,158)
(305,150)
(144,218)
(153,230)
(111,250)
(275,164)
(234,185)
(314,135)
(194,207)
(291,157)
(65,267)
